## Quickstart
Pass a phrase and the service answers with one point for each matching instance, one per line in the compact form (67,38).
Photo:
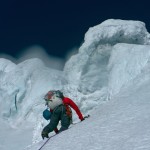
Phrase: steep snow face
(127,61)
(119,124)
(90,71)
(22,87)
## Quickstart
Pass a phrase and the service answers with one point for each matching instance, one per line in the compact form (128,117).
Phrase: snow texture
(108,78)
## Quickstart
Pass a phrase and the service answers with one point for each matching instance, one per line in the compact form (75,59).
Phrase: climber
(59,110)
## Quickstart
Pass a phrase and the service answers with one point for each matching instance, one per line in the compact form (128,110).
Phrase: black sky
(59,25)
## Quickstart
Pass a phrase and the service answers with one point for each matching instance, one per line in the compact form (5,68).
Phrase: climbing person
(58,110)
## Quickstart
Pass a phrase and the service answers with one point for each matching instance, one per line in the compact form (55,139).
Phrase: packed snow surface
(120,124)
(109,78)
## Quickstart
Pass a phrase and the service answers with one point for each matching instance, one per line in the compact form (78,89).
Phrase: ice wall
(22,88)
(91,69)
(127,62)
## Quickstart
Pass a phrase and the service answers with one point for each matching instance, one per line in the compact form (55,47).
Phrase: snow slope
(15,138)
(108,78)
(120,124)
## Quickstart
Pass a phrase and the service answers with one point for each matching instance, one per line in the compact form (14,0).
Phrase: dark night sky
(59,26)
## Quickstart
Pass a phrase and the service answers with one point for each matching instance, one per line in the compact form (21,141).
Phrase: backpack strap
(68,111)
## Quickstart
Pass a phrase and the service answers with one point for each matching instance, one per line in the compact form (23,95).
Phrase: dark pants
(59,114)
